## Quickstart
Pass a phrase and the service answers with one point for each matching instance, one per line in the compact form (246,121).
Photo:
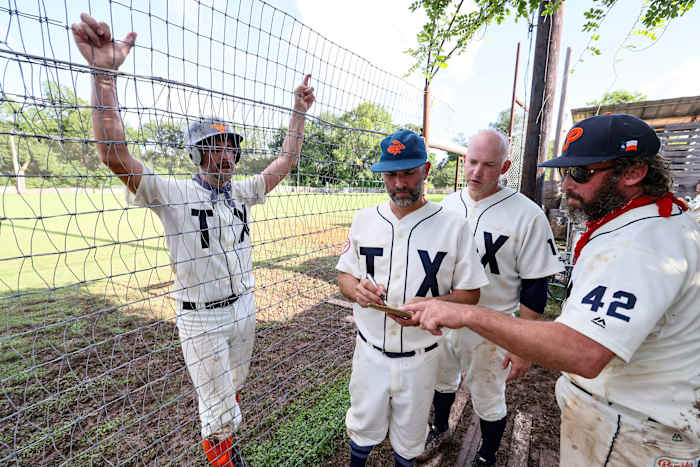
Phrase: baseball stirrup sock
(402,461)
(491,434)
(358,454)
(218,453)
(442,403)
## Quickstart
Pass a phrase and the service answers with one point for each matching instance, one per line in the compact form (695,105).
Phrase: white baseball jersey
(514,242)
(429,252)
(206,231)
(635,289)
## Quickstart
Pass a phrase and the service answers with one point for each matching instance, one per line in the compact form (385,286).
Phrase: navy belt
(221,303)
(599,399)
(397,354)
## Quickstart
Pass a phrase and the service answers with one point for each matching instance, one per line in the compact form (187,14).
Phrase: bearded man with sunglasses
(628,338)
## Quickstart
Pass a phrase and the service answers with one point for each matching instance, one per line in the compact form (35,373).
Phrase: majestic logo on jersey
(395,148)
(369,253)
(202,214)
(491,249)
(573,135)
(346,247)
(221,127)
(598,321)
(431,269)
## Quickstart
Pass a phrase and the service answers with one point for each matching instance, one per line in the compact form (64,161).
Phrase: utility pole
(544,79)
(562,102)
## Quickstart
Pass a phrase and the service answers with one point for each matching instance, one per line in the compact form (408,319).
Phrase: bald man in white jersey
(628,338)
(516,248)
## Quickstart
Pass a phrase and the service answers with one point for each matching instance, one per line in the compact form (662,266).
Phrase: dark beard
(608,199)
(414,194)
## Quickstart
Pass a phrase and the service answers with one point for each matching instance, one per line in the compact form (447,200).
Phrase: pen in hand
(374,283)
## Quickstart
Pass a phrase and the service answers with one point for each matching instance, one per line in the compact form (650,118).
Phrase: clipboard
(393,311)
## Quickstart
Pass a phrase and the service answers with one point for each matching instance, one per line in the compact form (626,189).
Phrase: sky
(478,84)
(265,50)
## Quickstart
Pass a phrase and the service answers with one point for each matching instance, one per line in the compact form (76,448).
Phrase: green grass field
(52,240)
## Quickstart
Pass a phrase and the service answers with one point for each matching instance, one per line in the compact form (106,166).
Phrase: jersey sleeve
(152,190)
(469,273)
(349,261)
(538,256)
(250,191)
(618,295)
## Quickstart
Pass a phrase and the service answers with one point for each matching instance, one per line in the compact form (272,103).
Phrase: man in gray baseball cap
(206,228)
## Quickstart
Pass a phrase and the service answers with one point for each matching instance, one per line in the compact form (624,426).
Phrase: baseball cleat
(223,454)
(479,461)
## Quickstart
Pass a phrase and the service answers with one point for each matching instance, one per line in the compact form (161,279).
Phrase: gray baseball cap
(208,127)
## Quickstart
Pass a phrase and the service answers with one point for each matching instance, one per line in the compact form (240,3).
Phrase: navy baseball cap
(403,150)
(605,137)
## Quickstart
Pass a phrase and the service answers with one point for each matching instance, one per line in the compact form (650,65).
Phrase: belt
(600,399)
(397,354)
(222,302)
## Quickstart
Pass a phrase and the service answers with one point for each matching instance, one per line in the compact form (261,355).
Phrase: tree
(449,29)
(47,137)
(339,148)
(618,97)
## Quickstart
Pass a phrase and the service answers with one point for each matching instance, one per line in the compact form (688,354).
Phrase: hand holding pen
(368,292)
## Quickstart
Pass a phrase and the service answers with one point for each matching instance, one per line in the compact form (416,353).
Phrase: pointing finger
(306,79)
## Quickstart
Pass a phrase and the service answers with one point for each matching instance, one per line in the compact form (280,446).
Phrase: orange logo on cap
(395,148)
(572,136)
(219,126)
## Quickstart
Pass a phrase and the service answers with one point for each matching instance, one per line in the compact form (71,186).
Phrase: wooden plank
(520,440)
(470,443)
(460,402)
(340,302)
(681,126)
(548,458)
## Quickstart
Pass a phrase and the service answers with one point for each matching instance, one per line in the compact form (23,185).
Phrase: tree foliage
(450,28)
(618,97)
(54,146)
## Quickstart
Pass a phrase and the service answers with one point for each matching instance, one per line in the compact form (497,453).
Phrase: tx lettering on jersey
(202,214)
(491,249)
(369,253)
(431,269)
(243,216)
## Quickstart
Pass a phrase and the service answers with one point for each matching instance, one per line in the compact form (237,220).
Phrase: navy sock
(358,454)
(491,434)
(402,461)
(442,404)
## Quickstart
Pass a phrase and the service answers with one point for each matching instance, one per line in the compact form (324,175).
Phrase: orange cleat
(223,454)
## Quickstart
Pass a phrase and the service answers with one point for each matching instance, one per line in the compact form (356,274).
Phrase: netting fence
(91,370)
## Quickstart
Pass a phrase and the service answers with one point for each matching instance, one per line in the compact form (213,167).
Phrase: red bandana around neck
(665,204)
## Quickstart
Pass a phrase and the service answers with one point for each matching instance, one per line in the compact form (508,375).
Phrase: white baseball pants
(482,362)
(595,433)
(217,345)
(391,394)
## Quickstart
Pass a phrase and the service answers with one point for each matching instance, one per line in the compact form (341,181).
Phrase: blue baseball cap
(403,150)
(605,137)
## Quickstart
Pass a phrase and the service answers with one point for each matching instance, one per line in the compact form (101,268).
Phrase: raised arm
(94,40)
(291,147)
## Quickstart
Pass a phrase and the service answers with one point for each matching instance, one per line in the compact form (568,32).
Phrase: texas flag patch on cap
(631,145)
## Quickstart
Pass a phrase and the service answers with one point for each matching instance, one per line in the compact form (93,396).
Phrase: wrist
(104,79)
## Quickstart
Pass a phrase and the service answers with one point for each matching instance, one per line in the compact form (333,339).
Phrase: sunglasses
(581,174)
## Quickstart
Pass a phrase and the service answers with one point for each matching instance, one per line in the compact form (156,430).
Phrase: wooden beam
(520,440)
